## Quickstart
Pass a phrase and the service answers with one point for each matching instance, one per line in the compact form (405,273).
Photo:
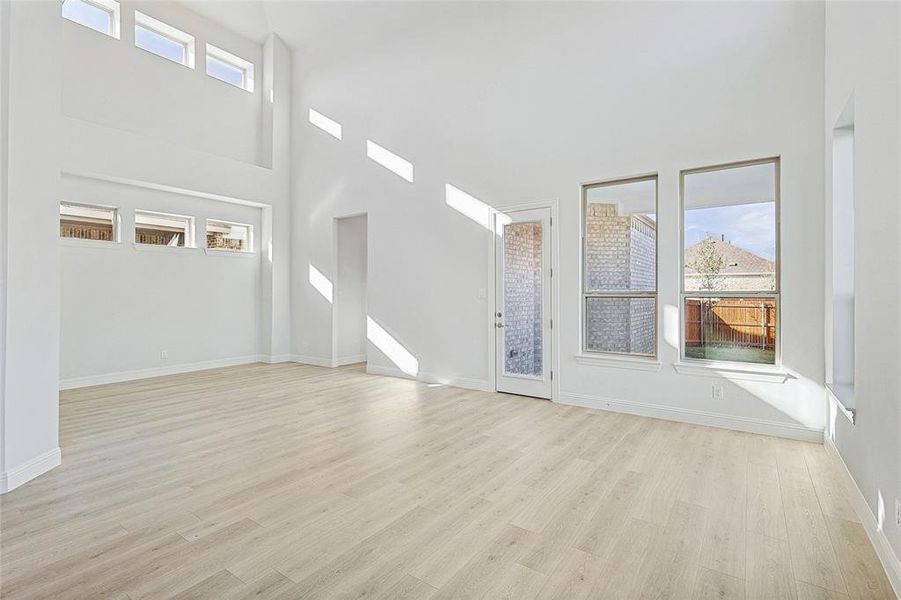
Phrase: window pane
(89,15)
(621,237)
(731,329)
(227,236)
(160,45)
(87,222)
(522,299)
(730,229)
(225,72)
(162,230)
(623,325)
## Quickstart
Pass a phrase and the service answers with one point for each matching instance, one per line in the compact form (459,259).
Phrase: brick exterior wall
(620,254)
(522,299)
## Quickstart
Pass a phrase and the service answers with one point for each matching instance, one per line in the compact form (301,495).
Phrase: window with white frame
(229,68)
(162,229)
(163,40)
(99,15)
(619,267)
(223,235)
(88,222)
(730,262)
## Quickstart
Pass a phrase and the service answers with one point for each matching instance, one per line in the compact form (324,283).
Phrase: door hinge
(552,221)
(552,271)
(552,375)
(552,323)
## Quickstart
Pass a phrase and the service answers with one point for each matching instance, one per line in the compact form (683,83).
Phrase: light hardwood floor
(290,481)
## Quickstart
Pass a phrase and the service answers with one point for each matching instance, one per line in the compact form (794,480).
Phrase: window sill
(220,252)
(842,396)
(734,371)
(161,248)
(618,362)
(80,243)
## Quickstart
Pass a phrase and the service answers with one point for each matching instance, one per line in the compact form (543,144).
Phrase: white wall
(31,369)
(45,142)
(122,303)
(568,94)
(867,65)
(157,97)
(350,290)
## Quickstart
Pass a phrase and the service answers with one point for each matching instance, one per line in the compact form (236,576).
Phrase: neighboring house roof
(735,259)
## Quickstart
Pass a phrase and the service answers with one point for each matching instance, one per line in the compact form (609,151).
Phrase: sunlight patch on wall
(390,347)
(391,161)
(321,283)
(474,209)
(327,125)
(671,325)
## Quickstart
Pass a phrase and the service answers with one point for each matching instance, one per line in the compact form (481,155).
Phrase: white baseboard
(350,360)
(890,561)
(316,361)
(10,480)
(78,382)
(697,417)
(276,358)
(460,382)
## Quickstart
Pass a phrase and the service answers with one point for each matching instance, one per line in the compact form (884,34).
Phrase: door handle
(499,325)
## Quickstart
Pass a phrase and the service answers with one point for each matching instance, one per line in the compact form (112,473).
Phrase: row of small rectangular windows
(160,39)
(101,223)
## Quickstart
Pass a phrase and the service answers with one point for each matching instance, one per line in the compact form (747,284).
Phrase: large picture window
(619,267)
(730,263)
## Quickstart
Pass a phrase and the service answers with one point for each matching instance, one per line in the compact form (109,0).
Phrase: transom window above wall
(730,262)
(619,266)
(99,15)
(164,40)
(161,229)
(223,235)
(88,222)
(229,68)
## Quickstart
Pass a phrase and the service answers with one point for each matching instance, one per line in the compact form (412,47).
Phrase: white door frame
(334,264)
(553,205)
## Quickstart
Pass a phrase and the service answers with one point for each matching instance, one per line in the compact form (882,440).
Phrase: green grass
(732,354)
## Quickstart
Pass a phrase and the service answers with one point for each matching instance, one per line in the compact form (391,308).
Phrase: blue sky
(748,226)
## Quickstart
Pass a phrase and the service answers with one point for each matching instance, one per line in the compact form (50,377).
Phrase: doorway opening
(351,271)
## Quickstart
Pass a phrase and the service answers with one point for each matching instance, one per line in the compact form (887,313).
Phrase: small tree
(708,263)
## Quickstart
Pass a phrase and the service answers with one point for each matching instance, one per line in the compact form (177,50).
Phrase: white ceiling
(321,28)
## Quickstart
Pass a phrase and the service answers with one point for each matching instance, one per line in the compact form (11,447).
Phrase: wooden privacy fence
(741,322)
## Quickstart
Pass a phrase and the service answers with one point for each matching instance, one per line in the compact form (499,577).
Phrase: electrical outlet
(897,512)
(482,293)
(164,354)
(716,391)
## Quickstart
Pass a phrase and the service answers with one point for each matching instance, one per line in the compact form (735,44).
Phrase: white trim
(105,378)
(166,188)
(833,392)
(890,561)
(733,371)
(792,431)
(316,361)
(276,359)
(224,252)
(96,244)
(140,247)
(10,480)
(618,362)
(350,360)
(461,382)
